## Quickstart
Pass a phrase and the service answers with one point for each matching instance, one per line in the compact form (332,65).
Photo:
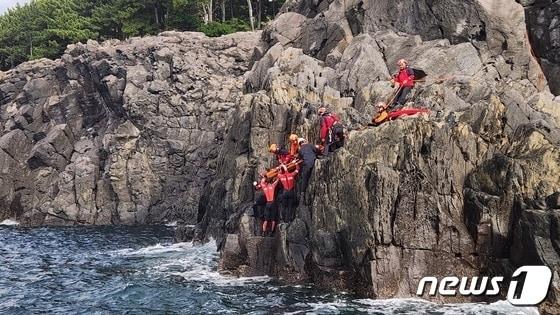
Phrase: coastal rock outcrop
(119,132)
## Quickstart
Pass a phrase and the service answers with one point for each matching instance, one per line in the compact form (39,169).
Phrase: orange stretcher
(273,172)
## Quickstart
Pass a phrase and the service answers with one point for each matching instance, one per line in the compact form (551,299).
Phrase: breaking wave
(9,222)
(140,270)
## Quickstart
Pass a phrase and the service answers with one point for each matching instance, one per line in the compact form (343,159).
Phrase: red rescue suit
(405,77)
(269,189)
(327,121)
(288,180)
(407,111)
(283,156)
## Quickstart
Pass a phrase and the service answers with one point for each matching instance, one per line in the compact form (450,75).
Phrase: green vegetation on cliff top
(43,28)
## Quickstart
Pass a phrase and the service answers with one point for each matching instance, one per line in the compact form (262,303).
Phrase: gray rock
(61,138)
(16,144)
(536,243)
(543,29)
(326,31)
(157,86)
(553,201)
(285,29)
(261,255)
(44,154)
(93,143)
(231,254)
(361,64)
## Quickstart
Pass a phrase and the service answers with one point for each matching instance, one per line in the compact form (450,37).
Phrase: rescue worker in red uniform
(294,145)
(404,79)
(270,215)
(331,134)
(283,156)
(383,115)
(287,198)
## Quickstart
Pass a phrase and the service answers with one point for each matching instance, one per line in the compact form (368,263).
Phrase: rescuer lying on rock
(383,115)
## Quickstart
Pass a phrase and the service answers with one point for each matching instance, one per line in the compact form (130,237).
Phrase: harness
(269,190)
(287,180)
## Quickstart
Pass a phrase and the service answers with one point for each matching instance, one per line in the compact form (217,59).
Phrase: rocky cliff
(118,133)
(471,189)
(543,25)
(176,127)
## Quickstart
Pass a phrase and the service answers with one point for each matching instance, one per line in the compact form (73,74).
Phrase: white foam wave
(157,249)
(217,279)
(196,263)
(9,222)
(321,307)
(410,306)
(175,223)
(427,307)
(505,305)
(200,265)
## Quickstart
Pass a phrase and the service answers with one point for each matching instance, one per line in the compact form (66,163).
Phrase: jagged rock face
(543,25)
(456,192)
(118,133)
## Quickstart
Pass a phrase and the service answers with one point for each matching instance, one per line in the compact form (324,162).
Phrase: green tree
(184,15)
(43,28)
(214,29)
(57,24)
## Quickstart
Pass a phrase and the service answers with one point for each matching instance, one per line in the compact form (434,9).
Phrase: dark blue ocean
(139,270)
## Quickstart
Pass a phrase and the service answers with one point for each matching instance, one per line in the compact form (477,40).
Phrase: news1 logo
(528,286)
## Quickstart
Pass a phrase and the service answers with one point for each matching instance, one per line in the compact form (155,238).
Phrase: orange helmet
(272,148)
(293,137)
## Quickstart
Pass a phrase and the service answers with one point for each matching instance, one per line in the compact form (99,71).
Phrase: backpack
(338,129)
(419,74)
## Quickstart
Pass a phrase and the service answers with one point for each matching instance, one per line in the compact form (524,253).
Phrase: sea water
(140,270)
